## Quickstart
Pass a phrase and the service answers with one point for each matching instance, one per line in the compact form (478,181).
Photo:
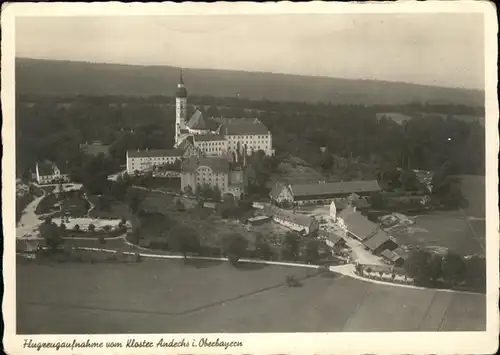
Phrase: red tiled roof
(218,164)
(154,153)
(358,224)
(376,240)
(198,122)
(391,255)
(243,126)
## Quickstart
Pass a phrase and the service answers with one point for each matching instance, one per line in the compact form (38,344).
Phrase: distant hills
(66,78)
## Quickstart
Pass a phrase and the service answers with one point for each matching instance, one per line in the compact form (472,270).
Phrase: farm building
(401,252)
(393,257)
(356,225)
(379,242)
(295,221)
(333,240)
(255,221)
(320,193)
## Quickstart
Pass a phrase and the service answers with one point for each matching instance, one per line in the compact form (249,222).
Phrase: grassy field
(473,188)
(159,296)
(444,229)
(462,231)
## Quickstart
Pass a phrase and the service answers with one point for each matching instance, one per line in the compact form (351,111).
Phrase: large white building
(49,173)
(150,159)
(218,135)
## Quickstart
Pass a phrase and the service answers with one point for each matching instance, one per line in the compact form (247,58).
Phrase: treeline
(411,109)
(450,270)
(47,130)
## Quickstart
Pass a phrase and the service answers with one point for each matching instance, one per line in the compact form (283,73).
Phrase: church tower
(180,109)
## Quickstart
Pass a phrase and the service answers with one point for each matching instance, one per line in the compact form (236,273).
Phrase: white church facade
(202,144)
(218,135)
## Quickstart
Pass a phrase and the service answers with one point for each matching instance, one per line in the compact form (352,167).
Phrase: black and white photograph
(220,170)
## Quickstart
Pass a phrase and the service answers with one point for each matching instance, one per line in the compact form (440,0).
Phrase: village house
(379,242)
(393,257)
(367,232)
(49,173)
(333,240)
(320,193)
(294,221)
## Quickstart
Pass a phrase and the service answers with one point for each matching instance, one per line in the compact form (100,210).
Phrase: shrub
(234,247)
(91,228)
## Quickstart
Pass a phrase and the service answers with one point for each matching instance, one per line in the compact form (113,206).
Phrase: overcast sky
(435,49)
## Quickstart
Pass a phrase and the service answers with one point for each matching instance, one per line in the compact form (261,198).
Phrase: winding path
(29,220)
(346,270)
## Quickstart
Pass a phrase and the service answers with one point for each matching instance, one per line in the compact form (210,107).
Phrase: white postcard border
(300,343)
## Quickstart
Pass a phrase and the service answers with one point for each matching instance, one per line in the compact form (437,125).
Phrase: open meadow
(448,229)
(463,231)
(164,296)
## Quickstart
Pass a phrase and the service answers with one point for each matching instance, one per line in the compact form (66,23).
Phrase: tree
(179,205)
(134,199)
(417,265)
(91,227)
(446,187)
(453,269)
(262,248)
(228,208)
(409,180)
(434,267)
(206,191)
(291,246)
(216,194)
(476,272)
(51,234)
(188,190)
(312,251)
(234,246)
(378,201)
(326,161)
(245,205)
(76,227)
(183,239)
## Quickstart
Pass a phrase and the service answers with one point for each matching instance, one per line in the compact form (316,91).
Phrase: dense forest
(53,127)
(51,77)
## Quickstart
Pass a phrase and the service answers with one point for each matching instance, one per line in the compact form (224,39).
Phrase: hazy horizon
(386,47)
(249,71)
